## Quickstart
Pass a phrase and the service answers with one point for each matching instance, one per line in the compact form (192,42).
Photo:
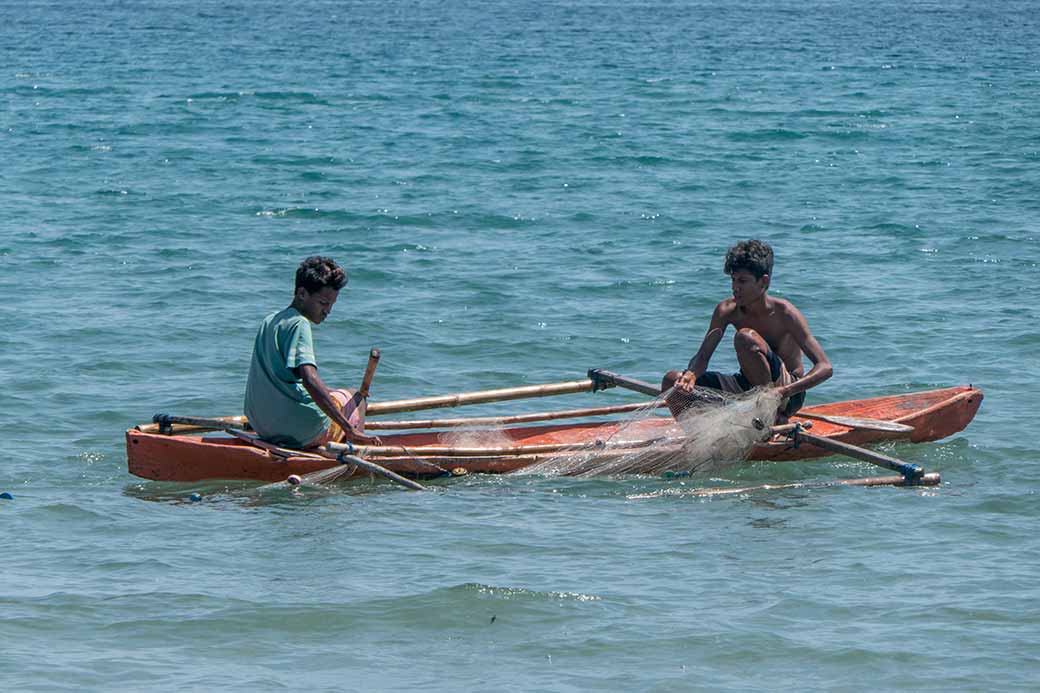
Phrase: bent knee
(747,338)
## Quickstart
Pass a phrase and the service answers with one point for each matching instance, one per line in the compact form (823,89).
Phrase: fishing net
(711,430)
(707,430)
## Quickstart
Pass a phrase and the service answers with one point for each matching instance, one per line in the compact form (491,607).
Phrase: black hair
(751,256)
(317,272)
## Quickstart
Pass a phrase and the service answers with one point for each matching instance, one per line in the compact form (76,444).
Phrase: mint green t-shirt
(277,405)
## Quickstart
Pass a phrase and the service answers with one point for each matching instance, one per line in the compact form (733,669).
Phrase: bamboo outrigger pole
(930,479)
(482,397)
(504,420)
(524,449)
(167,423)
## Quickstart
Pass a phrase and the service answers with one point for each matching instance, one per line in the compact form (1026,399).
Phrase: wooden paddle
(857,422)
(930,479)
(603,379)
(609,378)
(797,433)
(339,452)
(911,471)
(333,451)
(357,405)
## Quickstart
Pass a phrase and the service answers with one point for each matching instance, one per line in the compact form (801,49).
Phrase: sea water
(519,191)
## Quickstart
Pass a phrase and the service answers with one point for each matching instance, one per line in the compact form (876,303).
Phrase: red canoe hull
(933,414)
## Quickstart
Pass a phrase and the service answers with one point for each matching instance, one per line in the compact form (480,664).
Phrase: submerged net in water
(712,430)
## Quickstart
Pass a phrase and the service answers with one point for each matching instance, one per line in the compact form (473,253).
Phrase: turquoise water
(520,191)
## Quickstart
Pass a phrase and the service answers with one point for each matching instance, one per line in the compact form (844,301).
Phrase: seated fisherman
(771,337)
(286,402)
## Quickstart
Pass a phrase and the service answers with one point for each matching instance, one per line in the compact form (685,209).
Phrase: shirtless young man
(771,337)
(286,402)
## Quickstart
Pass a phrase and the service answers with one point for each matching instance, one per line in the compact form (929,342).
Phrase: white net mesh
(713,430)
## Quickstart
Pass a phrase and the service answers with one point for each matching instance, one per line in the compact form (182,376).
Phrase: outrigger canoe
(418,449)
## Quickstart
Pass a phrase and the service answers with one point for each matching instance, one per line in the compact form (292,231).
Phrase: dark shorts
(738,383)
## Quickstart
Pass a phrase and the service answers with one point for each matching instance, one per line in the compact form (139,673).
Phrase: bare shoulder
(783,307)
(726,310)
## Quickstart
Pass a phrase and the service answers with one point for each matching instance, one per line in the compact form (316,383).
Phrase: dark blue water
(519,191)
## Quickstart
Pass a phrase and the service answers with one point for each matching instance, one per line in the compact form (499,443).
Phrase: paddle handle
(370,372)
(164,423)
(603,379)
(910,471)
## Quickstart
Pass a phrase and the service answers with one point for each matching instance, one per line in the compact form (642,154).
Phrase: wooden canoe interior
(934,414)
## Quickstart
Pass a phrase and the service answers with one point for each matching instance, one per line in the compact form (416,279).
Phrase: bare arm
(318,391)
(699,363)
(821,369)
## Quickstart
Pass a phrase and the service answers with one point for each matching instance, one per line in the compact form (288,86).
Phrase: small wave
(844,135)
(522,594)
(152,566)
(292,96)
(382,217)
(294,160)
(38,91)
(217,96)
(652,160)
(66,512)
(820,113)
(408,247)
(770,135)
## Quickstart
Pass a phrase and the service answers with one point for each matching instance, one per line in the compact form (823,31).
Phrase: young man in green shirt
(286,402)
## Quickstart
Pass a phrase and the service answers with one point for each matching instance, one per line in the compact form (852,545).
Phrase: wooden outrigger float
(175,448)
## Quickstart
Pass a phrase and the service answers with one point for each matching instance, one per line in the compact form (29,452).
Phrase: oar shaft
(370,372)
(502,420)
(857,422)
(910,471)
(604,378)
(479,397)
(930,479)
(327,453)
(590,446)
(397,406)
(381,471)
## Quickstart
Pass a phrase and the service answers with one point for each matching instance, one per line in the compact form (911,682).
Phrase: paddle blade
(858,422)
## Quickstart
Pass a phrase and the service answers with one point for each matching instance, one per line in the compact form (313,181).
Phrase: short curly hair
(751,256)
(317,272)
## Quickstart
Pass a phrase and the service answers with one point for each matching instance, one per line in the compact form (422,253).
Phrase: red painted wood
(934,414)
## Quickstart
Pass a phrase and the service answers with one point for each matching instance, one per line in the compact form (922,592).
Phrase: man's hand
(355,437)
(687,381)
(794,388)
